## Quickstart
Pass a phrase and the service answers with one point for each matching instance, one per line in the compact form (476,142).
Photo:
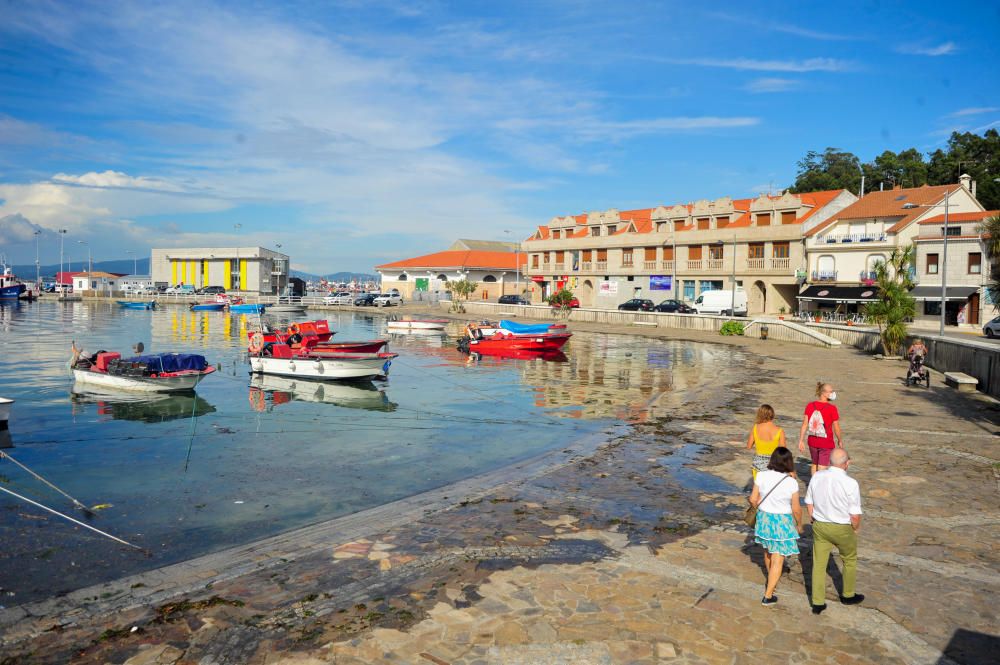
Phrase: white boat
(417,324)
(330,367)
(160,373)
(287,309)
(5,405)
(353,395)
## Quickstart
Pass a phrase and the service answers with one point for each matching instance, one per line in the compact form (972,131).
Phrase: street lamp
(38,270)
(62,234)
(90,261)
(732,284)
(944,254)
(135,262)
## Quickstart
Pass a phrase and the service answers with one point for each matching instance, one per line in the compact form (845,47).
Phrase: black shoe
(853,600)
(767,602)
(818,609)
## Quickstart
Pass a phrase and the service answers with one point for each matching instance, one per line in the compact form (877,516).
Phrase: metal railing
(715,264)
(824,276)
(852,237)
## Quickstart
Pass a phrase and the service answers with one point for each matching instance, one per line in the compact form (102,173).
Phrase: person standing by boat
(765,437)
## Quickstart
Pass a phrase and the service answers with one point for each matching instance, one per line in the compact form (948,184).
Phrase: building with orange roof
(842,251)
(967,266)
(682,250)
(495,271)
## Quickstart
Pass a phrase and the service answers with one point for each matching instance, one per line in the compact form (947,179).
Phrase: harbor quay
(624,546)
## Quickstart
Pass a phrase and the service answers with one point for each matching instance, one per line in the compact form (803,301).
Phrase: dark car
(636,305)
(366,299)
(210,290)
(673,306)
(512,300)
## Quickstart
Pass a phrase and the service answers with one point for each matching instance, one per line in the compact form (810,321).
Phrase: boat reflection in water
(146,408)
(556,356)
(277,390)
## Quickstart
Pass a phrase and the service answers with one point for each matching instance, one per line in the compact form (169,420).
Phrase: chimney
(965,180)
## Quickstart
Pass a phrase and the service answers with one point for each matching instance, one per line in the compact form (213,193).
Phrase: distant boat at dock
(128,304)
(11,287)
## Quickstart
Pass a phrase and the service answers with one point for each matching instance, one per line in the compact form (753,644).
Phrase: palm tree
(894,307)
(989,231)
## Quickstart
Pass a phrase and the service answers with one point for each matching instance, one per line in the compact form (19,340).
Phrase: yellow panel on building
(243,274)
(204,273)
(173,273)
(227,276)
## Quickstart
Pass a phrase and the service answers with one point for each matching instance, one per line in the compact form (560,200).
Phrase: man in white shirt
(834,502)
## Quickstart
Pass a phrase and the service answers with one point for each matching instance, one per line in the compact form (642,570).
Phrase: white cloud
(787,28)
(766,85)
(947,48)
(752,64)
(975,110)
(17,229)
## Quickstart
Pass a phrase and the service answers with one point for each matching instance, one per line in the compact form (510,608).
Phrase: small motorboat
(281,360)
(208,306)
(157,373)
(487,338)
(128,304)
(530,328)
(5,406)
(417,324)
(248,308)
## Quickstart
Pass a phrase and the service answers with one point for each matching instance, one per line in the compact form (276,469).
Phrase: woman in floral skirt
(779,516)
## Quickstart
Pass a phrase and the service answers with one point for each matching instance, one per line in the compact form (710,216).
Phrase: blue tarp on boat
(171,362)
(523,328)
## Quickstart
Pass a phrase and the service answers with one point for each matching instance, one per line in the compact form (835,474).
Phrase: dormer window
(556,235)
(612,228)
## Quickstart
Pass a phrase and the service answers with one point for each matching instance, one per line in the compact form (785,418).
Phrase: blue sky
(356,132)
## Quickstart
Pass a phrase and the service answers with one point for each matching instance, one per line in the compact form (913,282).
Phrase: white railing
(780,263)
(649,265)
(602,265)
(756,263)
(715,264)
(694,265)
(586,265)
(667,265)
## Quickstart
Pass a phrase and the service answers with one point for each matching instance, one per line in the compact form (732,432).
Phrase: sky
(359,132)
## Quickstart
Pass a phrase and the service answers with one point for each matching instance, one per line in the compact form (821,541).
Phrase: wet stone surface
(633,554)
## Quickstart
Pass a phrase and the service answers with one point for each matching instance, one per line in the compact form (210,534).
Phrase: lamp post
(944,255)
(38,270)
(90,260)
(732,279)
(239,273)
(135,262)
(62,234)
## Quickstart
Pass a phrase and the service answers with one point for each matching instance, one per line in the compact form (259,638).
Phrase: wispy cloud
(947,48)
(765,85)
(780,26)
(752,64)
(974,110)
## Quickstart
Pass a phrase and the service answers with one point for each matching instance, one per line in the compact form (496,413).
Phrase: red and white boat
(417,324)
(489,338)
(313,337)
(281,360)
(157,373)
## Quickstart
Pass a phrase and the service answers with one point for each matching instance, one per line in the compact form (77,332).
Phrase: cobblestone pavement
(630,552)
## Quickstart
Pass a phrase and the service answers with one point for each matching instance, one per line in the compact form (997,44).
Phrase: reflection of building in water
(183,325)
(614,377)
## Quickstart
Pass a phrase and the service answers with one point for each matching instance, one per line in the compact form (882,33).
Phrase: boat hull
(428,324)
(208,307)
(288,309)
(372,346)
(161,384)
(247,309)
(5,405)
(12,292)
(535,343)
(327,368)
(126,304)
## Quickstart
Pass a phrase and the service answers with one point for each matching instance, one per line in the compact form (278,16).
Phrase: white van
(721,302)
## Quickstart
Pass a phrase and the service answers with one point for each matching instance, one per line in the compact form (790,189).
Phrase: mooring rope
(75,521)
(38,477)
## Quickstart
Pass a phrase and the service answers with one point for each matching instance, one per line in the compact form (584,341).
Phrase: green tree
(990,230)
(831,169)
(561,298)
(895,306)
(464,288)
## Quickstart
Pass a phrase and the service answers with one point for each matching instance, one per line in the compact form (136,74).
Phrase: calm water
(248,458)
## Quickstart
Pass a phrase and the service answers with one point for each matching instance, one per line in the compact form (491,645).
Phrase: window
(668,253)
(611,229)
(489,279)
(722,222)
(755,250)
(534,260)
(595,231)
(678,224)
(932,307)
(952,231)
(714,252)
(704,223)
(556,235)
(560,257)
(650,253)
(779,250)
(975,263)
(872,261)
(602,255)
(627,257)
(402,278)
(788,217)
(689,289)
(763,219)
(662,227)
(826,267)
(442,278)
(932,264)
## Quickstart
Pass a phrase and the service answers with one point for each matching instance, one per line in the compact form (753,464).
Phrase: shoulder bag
(750,516)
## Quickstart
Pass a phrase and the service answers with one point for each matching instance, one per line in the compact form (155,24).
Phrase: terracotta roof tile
(961,217)
(889,204)
(460,259)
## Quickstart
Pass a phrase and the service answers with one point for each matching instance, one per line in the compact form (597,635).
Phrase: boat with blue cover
(128,304)
(208,306)
(529,328)
(248,308)
(156,373)
(504,337)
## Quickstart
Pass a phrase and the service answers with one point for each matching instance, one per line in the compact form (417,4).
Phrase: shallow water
(246,457)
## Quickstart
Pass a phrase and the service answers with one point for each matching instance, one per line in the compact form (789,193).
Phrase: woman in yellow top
(765,436)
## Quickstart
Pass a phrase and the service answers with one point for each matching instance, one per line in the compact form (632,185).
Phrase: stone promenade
(631,551)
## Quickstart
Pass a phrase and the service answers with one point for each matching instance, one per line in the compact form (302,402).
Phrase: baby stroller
(917,373)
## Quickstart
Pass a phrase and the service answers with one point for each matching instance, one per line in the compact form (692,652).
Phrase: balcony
(755,263)
(586,265)
(601,265)
(715,264)
(780,263)
(546,267)
(649,265)
(823,276)
(694,265)
(852,238)
(667,266)
(627,263)
(560,267)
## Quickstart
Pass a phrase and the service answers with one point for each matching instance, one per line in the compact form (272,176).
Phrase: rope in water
(86,526)
(38,477)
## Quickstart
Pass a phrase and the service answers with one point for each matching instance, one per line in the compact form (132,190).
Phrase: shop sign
(608,288)
(661,282)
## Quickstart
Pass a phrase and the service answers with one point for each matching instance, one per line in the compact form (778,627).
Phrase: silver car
(340,298)
(992,329)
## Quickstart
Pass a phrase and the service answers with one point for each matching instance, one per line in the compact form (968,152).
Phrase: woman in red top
(821,422)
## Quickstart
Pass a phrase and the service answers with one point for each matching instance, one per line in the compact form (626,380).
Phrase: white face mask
(833,396)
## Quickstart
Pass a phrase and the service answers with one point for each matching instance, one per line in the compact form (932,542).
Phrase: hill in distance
(119,266)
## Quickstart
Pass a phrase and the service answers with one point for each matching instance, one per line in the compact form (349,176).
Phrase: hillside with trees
(979,156)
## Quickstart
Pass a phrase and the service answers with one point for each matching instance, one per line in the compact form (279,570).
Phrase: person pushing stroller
(916,372)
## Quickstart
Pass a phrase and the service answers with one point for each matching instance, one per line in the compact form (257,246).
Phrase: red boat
(490,340)
(518,354)
(315,331)
(370,346)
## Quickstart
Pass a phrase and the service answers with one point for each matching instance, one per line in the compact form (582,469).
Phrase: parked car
(365,299)
(674,306)
(210,290)
(722,302)
(387,299)
(180,289)
(512,300)
(339,298)
(992,329)
(636,305)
